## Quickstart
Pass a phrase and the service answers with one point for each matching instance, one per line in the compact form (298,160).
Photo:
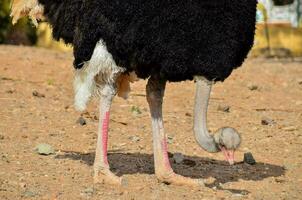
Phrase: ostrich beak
(229,155)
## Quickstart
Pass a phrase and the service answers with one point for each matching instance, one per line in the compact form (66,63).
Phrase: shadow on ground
(192,166)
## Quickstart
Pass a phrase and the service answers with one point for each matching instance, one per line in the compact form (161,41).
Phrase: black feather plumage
(175,38)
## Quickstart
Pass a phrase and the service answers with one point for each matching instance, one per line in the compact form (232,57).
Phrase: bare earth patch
(263,101)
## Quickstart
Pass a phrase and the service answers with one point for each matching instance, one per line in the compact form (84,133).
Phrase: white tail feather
(101,69)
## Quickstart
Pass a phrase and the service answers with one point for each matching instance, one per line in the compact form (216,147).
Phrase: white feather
(101,69)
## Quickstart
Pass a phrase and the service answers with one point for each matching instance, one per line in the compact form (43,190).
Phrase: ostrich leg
(155,92)
(102,173)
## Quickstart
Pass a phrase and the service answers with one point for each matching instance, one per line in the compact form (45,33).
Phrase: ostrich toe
(176,179)
(105,176)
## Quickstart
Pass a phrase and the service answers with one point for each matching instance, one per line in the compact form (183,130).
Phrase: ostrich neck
(204,139)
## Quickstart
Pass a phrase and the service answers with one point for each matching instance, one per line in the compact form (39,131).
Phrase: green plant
(23,32)
(5,21)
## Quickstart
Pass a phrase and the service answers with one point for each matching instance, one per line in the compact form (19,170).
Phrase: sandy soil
(27,120)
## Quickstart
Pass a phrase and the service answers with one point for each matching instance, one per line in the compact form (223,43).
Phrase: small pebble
(224,108)
(10,91)
(290,128)
(188,114)
(252,87)
(5,158)
(88,192)
(267,121)
(29,194)
(37,94)
(7,79)
(178,158)
(44,149)
(279,180)
(134,138)
(81,121)
(190,163)
(22,185)
(1,137)
(125,182)
(170,140)
(249,159)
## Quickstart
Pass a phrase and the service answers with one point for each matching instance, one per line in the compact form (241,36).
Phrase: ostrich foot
(176,179)
(105,176)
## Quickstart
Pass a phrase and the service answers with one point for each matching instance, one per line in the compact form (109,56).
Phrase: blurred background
(278,29)
(24,32)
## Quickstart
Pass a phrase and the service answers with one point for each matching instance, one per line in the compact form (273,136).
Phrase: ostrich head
(227,139)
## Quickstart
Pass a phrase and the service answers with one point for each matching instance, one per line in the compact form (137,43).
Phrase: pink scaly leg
(164,172)
(105,126)
(102,173)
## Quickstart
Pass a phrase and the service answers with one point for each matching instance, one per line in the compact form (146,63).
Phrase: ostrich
(116,41)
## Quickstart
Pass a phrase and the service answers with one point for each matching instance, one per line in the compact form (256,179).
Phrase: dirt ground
(36,101)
